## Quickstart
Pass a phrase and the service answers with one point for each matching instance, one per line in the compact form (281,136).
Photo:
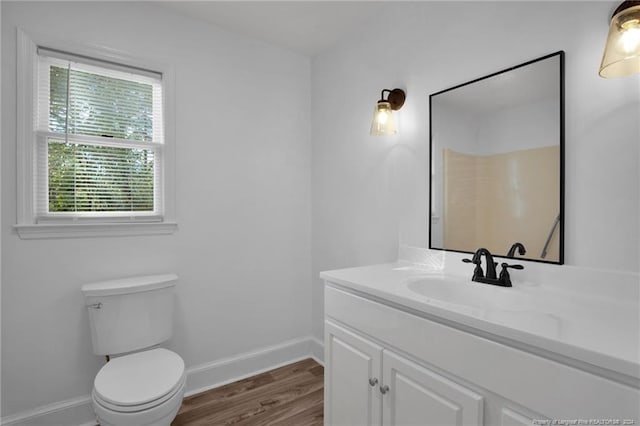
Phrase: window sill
(87,230)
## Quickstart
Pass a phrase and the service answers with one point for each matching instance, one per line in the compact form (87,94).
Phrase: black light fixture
(622,51)
(383,121)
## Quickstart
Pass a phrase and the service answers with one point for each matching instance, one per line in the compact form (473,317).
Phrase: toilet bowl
(141,389)
(142,384)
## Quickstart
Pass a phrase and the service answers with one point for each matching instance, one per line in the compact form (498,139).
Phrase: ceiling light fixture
(622,51)
(383,122)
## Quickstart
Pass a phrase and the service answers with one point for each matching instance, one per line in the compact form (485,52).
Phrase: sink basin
(501,305)
(456,291)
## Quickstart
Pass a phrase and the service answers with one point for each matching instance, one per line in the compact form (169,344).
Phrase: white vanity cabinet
(389,365)
(419,396)
(352,378)
(366,384)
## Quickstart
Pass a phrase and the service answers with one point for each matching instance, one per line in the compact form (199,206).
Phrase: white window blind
(99,140)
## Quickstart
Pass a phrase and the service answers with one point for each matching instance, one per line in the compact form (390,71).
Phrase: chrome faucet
(504,280)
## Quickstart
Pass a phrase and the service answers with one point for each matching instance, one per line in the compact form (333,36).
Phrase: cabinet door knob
(373,381)
(384,389)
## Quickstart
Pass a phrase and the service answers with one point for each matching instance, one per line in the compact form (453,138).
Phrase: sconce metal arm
(395,98)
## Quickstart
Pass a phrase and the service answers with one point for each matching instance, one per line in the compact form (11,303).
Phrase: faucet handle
(477,271)
(504,279)
(505,266)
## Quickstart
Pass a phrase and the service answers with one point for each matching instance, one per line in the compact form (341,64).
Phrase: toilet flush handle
(95,305)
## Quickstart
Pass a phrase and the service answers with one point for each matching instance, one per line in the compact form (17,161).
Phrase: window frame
(28,226)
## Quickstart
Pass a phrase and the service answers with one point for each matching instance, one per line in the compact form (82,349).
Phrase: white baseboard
(76,411)
(214,374)
(79,412)
(317,350)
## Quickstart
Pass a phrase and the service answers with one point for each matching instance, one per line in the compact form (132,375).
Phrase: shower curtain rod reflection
(545,249)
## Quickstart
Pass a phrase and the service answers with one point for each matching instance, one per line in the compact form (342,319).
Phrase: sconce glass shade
(622,52)
(383,122)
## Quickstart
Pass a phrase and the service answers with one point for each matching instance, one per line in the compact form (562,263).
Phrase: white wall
(242,250)
(526,126)
(370,193)
(457,129)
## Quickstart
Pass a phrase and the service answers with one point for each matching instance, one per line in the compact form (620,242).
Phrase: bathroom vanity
(420,344)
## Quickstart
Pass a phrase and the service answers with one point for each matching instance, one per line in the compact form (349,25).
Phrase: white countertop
(587,324)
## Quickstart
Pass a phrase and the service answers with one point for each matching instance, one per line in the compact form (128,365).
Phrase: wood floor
(289,395)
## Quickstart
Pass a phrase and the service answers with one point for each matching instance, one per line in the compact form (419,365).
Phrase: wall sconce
(383,121)
(622,51)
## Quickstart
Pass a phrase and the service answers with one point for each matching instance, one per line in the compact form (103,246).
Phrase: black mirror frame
(561,224)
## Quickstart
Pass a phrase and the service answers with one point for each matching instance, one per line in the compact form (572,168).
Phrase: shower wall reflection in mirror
(496,162)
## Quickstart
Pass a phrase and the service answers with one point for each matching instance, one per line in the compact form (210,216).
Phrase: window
(99,141)
(96,143)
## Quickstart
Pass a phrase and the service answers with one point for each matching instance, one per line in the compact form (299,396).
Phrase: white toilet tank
(130,314)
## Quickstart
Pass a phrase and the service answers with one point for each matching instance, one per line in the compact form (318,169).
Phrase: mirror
(497,162)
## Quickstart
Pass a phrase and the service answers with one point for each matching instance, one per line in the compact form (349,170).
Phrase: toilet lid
(139,378)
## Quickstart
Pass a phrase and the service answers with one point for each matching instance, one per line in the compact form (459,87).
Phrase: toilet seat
(116,408)
(139,381)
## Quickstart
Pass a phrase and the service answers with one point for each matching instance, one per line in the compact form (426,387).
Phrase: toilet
(141,384)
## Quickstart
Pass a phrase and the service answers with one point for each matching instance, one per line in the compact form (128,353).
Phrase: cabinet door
(513,418)
(419,396)
(351,362)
